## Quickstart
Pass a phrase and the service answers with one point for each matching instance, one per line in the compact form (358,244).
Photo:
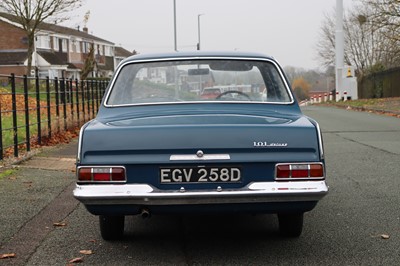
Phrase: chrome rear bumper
(257,192)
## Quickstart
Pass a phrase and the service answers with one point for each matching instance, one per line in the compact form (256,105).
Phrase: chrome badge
(200,154)
(264,144)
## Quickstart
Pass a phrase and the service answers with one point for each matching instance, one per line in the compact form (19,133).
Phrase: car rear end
(162,154)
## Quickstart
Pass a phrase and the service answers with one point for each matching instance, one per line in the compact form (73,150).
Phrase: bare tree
(30,14)
(366,46)
(326,43)
(385,18)
(386,14)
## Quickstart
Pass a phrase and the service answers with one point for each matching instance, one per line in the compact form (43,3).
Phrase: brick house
(59,51)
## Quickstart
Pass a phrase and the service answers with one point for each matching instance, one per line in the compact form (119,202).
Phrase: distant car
(210,93)
(156,146)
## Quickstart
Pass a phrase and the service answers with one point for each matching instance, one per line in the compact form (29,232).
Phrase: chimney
(85,29)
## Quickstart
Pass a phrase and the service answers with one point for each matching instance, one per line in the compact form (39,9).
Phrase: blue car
(158,146)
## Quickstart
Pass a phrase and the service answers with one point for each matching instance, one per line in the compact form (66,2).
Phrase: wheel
(242,94)
(111,227)
(290,225)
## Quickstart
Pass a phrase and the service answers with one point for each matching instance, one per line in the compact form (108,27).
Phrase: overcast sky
(285,29)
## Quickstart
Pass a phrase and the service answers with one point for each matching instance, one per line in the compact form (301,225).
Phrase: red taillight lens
(85,174)
(300,171)
(118,174)
(283,171)
(316,170)
(101,174)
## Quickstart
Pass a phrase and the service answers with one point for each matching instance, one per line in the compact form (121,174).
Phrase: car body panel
(149,139)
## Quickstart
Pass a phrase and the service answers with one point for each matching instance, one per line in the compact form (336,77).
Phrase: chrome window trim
(319,135)
(321,145)
(111,87)
(78,155)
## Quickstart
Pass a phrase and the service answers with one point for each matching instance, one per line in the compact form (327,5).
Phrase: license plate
(200,175)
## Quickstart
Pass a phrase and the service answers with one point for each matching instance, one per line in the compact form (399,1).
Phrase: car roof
(199,54)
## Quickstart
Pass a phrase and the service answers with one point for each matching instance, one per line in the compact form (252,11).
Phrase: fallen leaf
(86,252)
(384,236)
(7,256)
(92,240)
(60,224)
(76,260)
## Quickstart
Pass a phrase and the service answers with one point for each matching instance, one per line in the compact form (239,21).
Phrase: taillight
(117,174)
(299,171)
(85,174)
(101,174)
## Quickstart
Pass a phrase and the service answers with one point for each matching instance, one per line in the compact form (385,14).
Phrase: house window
(43,41)
(78,46)
(64,44)
(98,50)
(55,44)
(86,47)
(44,74)
(74,46)
(108,51)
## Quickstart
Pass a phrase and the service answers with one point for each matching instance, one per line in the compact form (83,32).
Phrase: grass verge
(387,106)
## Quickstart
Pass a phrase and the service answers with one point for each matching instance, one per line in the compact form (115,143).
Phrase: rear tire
(111,227)
(290,225)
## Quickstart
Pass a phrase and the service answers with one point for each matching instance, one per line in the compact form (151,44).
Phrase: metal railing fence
(33,110)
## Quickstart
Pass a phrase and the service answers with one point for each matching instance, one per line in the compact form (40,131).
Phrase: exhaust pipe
(145,213)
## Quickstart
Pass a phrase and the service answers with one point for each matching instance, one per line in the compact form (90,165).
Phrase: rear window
(198,81)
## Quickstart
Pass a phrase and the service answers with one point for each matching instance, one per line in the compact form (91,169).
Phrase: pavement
(35,198)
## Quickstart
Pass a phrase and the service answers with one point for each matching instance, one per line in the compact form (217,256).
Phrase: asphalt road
(346,227)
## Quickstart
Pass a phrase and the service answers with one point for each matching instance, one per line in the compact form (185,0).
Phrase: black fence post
(71,101)
(56,83)
(93,99)
(14,114)
(83,100)
(67,90)
(88,96)
(48,106)
(27,126)
(63,101)
(39,120)
(97,96)
(77,101)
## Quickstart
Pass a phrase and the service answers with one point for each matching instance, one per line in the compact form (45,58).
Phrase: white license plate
(201,175)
